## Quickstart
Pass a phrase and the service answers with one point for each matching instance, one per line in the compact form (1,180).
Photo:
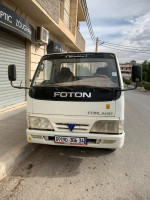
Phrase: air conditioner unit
(42,35)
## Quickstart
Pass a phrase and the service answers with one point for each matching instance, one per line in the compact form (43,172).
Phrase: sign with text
(54,47)
(14,22)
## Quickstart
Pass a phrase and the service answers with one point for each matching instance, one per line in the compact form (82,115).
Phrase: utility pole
(96,48)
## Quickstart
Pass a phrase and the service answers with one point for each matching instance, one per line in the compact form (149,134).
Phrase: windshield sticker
(76,56)
(114,73)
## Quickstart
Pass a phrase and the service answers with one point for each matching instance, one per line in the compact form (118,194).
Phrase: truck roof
(80,55)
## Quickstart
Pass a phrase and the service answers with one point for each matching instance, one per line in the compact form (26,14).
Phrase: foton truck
(76,99)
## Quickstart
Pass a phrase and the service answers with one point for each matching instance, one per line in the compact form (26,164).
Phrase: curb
(12,107)
(14,157)
(13,111)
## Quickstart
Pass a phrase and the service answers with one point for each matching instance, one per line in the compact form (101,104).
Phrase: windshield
(92,72)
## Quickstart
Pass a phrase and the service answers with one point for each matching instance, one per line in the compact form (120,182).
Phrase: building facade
(126,69)
(19,44)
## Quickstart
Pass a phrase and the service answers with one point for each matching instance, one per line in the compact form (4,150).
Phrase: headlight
(107,126)
(40,123)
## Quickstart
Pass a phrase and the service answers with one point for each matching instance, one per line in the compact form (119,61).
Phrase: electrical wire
(106,44)
(88,21)
(124,46)
(119,49)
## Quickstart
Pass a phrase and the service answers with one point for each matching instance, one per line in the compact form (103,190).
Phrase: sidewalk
(13,143)
(139,89)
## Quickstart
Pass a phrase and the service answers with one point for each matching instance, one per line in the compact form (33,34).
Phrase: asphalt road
(68,173)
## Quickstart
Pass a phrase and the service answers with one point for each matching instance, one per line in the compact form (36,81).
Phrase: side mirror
(12,72)
(136,73)
(12,76)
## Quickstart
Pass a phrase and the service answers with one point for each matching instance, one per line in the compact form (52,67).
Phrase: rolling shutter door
(12,51)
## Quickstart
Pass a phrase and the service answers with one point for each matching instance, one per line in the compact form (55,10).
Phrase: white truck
(76,99)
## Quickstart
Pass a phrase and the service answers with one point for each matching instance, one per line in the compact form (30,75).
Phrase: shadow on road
(56,161)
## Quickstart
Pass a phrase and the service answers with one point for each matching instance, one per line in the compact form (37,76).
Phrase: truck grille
(77,128)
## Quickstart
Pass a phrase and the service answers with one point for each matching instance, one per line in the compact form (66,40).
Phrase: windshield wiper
(96,87)
(63,86)
(71,87)
(47,84)
(126,89)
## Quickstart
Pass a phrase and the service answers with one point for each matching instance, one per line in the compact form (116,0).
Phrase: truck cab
(75,99)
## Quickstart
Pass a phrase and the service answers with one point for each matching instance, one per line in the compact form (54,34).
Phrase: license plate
(70,140)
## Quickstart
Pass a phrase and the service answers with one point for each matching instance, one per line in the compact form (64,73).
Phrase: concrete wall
(52,7)
(73,14)
(36,53)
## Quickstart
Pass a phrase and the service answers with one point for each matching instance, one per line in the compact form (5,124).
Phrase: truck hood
(103,109)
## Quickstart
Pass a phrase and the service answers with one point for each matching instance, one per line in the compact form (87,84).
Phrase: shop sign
(54,47)
(14,22)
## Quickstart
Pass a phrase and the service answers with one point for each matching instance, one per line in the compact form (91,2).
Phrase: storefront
(14,32)
(25,27)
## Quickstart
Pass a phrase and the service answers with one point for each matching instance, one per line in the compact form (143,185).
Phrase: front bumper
(109,141)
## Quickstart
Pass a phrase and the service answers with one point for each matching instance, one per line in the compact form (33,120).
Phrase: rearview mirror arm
(19,87)
(127,89)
